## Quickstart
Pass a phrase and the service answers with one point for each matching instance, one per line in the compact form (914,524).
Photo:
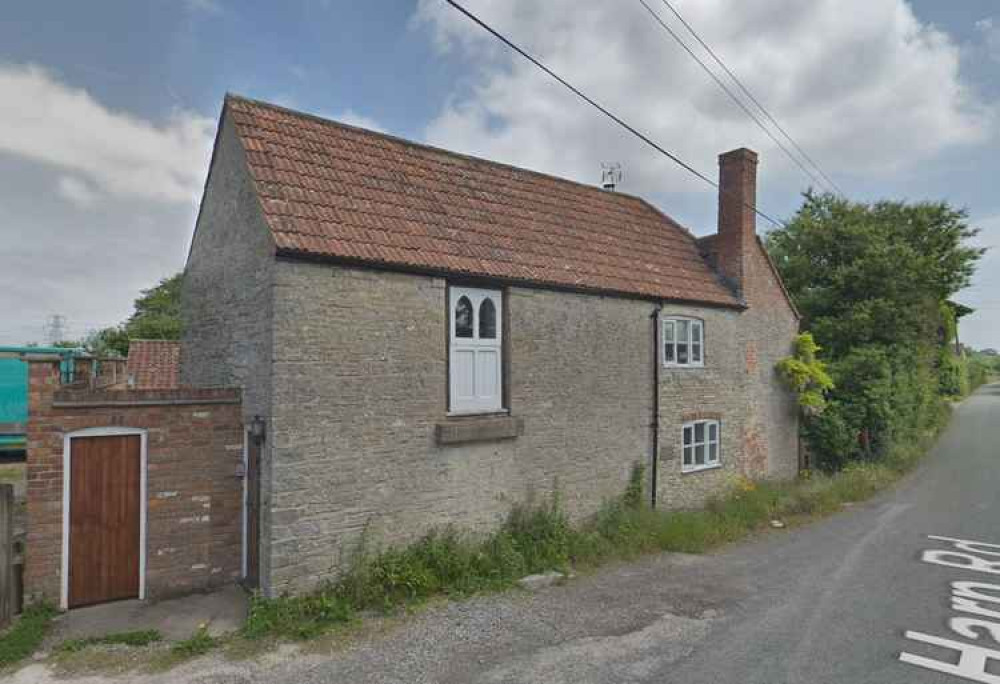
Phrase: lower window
(701,445)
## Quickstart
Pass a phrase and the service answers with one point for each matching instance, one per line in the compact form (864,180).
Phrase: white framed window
(701,445)
(475,350)
(683,341)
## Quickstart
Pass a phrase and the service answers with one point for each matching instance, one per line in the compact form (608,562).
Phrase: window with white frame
(701,445)
(683,342)
(475,350)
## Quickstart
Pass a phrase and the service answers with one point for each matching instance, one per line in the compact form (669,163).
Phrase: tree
(872,273)
(872,282)
(108,342)
(157,312)
(157,316)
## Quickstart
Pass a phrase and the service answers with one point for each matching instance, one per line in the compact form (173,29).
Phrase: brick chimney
(737,221)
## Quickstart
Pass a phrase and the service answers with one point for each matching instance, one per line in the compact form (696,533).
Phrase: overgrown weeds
(26,634)
(197,644)
(142,637)
(541,538)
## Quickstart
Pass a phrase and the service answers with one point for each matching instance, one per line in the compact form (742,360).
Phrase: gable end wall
(227,292)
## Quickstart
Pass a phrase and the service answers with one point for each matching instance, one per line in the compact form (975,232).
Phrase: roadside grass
(26,634)
(144,651)
(540,538)
(142,637)
(197,644)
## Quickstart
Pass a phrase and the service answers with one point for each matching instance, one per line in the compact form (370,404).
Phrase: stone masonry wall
(360,382)
(194,494)
(226,295)
(739,386)
(718,391)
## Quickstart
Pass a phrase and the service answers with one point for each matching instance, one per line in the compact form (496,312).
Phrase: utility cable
(643,137)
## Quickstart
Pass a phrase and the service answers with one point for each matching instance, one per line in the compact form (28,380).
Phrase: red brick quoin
(194,491)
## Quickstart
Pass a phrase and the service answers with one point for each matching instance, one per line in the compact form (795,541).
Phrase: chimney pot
(737,218)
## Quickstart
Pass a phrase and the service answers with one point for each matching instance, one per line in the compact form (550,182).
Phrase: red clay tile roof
(334,191)
(154,364)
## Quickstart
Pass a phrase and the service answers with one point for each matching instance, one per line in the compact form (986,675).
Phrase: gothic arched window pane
(487,320)
(463,318)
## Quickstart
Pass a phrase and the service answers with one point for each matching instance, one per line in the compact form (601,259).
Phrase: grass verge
(538,539)
(199,643)
(25,635)
(142,637)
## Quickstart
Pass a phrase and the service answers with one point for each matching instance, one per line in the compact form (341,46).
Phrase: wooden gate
(104,519)
(252,579)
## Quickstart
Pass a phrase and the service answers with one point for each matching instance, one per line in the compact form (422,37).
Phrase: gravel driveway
(614,625)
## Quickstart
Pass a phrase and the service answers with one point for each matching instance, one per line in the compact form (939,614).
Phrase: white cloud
(105,152)
(990,32)
(77,191)
(861,84)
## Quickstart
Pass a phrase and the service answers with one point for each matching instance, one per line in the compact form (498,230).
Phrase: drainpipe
(655,319)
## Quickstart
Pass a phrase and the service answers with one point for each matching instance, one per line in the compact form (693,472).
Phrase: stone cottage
(425,338)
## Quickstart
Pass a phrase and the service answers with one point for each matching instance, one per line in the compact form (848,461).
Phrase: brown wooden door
(252,579)
(104,515)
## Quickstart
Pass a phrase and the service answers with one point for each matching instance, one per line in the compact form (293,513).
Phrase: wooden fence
(10,559)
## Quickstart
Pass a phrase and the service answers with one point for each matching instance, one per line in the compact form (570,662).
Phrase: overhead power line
(631,129)
(746,110)
(746,91)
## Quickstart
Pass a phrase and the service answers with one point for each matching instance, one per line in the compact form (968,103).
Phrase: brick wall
(194,502)
(772,324)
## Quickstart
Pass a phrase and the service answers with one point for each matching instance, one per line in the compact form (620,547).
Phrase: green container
(14,390)
(13,393)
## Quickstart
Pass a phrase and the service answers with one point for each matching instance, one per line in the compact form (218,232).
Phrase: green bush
(831,439)
(873,283)
(953,374)
(980,370)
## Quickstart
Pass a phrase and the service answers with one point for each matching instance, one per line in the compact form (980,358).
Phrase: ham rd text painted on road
(981,599)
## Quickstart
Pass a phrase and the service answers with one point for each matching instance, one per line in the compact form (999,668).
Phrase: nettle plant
(806,375)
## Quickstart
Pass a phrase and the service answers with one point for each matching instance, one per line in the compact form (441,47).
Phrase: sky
(108,111)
